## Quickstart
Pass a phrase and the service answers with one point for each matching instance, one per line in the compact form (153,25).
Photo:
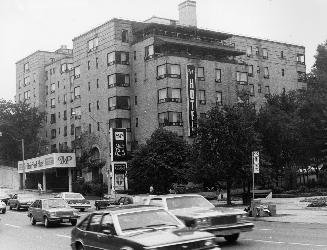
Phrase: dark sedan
(137,227)
(53,210)
(19,201)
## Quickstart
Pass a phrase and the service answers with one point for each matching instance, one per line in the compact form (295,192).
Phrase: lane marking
(290,243)
(264,229)
(13,226)
(62,235)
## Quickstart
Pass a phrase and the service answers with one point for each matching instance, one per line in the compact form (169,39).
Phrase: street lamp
(23,155)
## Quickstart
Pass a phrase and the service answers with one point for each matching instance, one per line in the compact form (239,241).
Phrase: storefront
(49,163)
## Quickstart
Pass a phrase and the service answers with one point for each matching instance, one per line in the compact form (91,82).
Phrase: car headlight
(126,248)
(202,222)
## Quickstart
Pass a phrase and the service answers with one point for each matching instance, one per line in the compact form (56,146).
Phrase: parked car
(119,200)
(3,207)
(137,227)
(53,210)
(75,200)
(19,201)
(4,195)
(198,213)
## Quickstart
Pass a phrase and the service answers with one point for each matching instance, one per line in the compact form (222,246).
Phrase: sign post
(255,168)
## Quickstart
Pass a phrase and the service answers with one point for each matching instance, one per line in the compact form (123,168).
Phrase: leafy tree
(19,121)
(162,161)
(319,70)
(223,146)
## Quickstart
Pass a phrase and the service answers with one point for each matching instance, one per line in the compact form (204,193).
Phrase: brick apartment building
(126,74)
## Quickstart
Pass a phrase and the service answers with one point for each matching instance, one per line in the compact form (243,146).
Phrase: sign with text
(191,99)
(255,162)
(55,160)
(118,144)
(120,175)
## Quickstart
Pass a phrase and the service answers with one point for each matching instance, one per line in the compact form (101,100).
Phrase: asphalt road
(16,232)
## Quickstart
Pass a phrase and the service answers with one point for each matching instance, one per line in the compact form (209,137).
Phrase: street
(16,232)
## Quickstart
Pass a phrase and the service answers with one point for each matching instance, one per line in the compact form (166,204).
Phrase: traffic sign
(255,162)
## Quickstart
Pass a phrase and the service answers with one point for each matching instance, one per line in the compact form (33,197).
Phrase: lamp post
(23,155)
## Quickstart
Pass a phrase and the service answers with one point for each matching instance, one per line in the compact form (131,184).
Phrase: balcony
(167,123)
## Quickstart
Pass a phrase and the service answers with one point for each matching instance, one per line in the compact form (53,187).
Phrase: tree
(162,161)
(19,121)
(223,146)
(319,70)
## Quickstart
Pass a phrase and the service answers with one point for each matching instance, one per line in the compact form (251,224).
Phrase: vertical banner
(118,144)
(191,100)
(255,162)
(119,174)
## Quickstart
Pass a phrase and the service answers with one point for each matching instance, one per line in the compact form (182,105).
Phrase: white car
(75,200)
(3,207)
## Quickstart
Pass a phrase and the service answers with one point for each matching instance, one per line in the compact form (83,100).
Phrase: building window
(264,53)
(77,93)
(27,81)
(65,98)
(301,76)
(242,77)
(97,83)
(124,36)
(98,126)
(135,100)
(27,95)
(249,51)
(136,122)
(169,95)
(259,88)
(219,99)
(283,72)
(78,131)
(88,65)
(65,131)
(300,59)
(201,73)
(65,67)
(134,55)
(77,72)
(148,52)
(202,97)
(53,88)
(72,129)
(282,54)
(53,133)
(170,118)
(89,86)
(19,84)
(53,103)
(257,51)
(93,44)
(217,75)
(53,118)
(251,86)
(90,128)
(265,72)
(250,70)
(267,90)
(118,57)
(135,77)
(120,123)
(65,114)
(26,67)
(119,102)
(283,91)
(89,107)
(98,105)
(96,63)
(118,80)
(258,69)
(168,70)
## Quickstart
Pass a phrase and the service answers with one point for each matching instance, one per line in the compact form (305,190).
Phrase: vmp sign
(191,100)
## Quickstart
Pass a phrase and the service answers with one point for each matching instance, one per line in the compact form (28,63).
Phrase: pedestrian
(151,189)
(39,187)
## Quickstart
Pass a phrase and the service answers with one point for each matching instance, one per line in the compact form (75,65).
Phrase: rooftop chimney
(187,13)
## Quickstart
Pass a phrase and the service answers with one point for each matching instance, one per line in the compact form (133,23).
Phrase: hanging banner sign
(120,180)
(118,144)
(255,162)
(191,99)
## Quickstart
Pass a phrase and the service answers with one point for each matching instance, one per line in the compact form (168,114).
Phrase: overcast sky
(30,25)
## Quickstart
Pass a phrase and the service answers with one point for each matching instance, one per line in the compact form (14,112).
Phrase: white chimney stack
(187,13)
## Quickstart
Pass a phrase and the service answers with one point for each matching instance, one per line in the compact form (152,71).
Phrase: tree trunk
(228,187)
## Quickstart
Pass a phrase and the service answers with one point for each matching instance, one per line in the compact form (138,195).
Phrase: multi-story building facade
(136,75)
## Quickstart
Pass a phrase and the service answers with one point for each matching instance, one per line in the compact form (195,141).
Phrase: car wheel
(82,209)
(33,221)
(232,238)
(46,222)
(79,246)
(10,207)
(73,222)
(4,211)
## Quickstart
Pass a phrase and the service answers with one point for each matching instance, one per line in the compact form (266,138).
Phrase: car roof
(127,208)
(173,195)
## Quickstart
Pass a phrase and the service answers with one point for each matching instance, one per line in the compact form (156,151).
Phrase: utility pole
(23,164)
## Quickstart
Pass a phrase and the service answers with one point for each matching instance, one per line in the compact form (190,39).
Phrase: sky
(30,25)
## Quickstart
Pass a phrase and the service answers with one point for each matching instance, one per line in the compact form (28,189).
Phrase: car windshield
(147,220)
(25,196)
(55,203)
(74,196)
(188,202)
